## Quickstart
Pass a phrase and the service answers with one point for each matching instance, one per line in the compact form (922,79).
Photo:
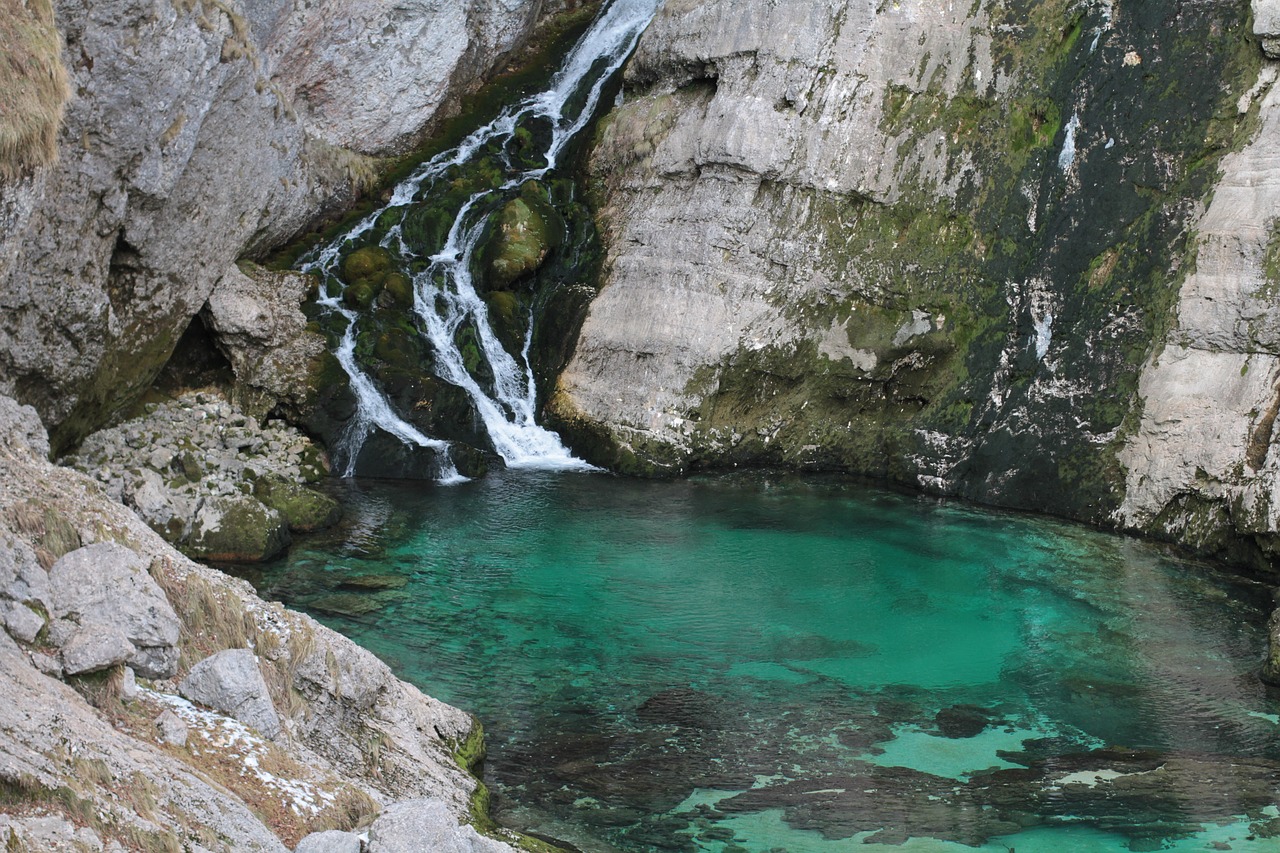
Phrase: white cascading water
(444,295)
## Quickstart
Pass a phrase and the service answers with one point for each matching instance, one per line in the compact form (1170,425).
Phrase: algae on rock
(928,244)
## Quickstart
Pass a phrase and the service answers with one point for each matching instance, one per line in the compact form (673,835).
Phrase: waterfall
(445,299)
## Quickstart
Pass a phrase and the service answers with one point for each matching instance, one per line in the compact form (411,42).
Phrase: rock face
(929,243)
(197,133)
(351,738)
(106,587)
(1199,467)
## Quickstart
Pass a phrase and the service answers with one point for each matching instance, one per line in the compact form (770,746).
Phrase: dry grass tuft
(212,619)
(353,809)
(33,87)
(336,164)
(45,529)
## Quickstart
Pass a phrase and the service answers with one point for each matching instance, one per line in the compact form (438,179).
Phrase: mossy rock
(361,293)
(237,528)
(370,262)
(397,289)
(314,465)
(305,510)
(508,318)
(520,244)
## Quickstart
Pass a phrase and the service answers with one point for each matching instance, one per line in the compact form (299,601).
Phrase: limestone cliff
(1199,467)
(199,131)
(934,243)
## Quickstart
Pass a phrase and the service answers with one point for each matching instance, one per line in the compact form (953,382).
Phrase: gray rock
(171,728)
(1266,25)
(21,621)
(166,515)
(1202,467)
(22,578)
(129,689)
(21,429)
(40,716)
(50,665)
(94,648)
(231,682)
(330,841)
(237,528)
(258,320)
(426,824)
(107,585)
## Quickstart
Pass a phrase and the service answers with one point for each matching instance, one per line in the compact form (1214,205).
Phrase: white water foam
(445,296)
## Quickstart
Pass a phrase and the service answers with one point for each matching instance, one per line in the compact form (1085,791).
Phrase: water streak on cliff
(446,304)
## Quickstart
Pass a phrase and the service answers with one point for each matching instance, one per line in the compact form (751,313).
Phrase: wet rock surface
(210,479)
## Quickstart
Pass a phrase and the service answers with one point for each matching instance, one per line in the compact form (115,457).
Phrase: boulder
(163,511)
(20,428)
(237,528)
(330,841)
(107,586)
(232,683)
(21,621)
(129,689)
(305,510)
(22,578)
(171,728)
(1266,25)
(426,824)
(256,317)
(93,648)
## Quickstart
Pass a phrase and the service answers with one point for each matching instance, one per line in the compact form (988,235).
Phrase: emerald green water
(766,663)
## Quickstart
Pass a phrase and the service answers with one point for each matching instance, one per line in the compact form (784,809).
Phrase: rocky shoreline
(210,480)
(155,703)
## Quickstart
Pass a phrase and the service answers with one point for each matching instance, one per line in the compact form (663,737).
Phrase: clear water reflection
(772,663)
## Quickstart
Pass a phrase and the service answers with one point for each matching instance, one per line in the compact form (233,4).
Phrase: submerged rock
(961,721)
(374,582)
(682,706)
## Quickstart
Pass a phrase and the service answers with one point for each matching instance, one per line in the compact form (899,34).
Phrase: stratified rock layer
(930,243)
